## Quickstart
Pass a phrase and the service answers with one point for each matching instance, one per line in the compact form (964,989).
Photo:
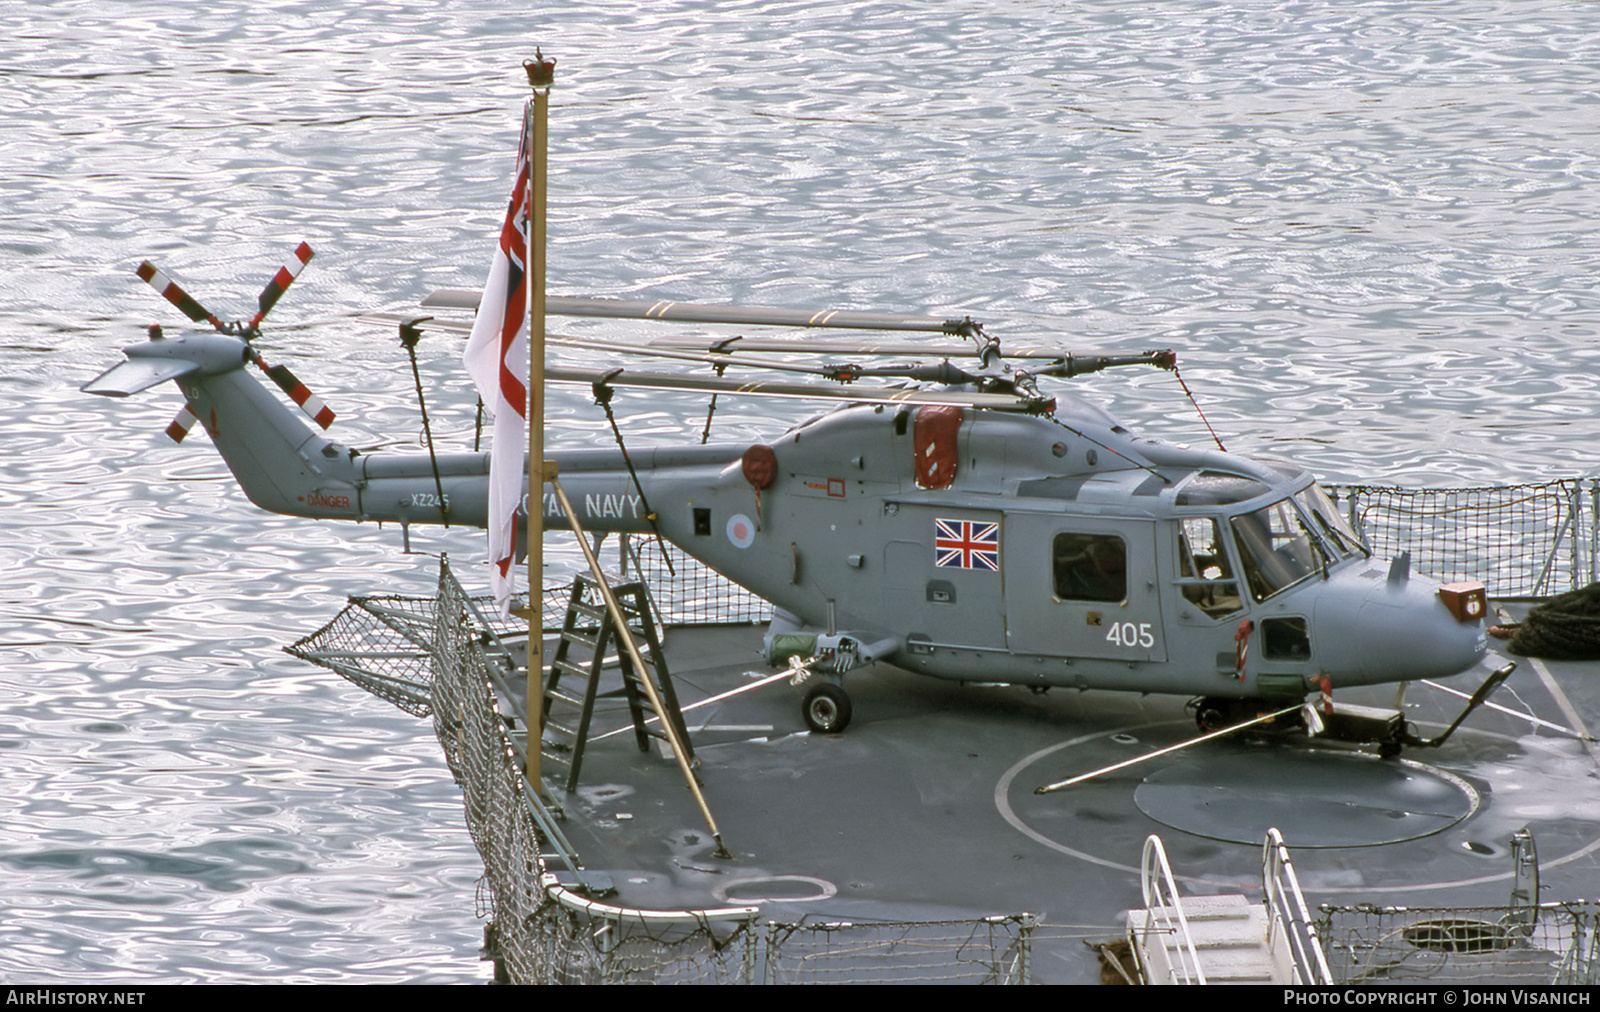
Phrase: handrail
(1287,913)
(1572,514)
(553,888)
(1161,894)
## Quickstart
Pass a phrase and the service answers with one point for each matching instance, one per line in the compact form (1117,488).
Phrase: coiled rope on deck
(1564,628)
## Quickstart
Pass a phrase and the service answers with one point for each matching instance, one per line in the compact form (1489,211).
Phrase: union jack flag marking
(966,544)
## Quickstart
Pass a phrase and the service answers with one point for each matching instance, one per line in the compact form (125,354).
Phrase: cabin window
(1205,576)
(1090,567)
(1275,548)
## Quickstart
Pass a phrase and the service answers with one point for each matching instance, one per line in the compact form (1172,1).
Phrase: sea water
(1368,230)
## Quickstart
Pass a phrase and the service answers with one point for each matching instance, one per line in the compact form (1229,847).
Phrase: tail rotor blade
(173,293)
(298,392)
(280,282)
(182,424)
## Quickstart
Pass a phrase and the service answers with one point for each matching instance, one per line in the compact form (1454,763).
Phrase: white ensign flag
(497,359)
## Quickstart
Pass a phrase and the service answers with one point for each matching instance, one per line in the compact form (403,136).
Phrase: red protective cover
(933,437)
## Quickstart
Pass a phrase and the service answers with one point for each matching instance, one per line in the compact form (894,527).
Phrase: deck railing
(1290,929)
(1529,540)
(1178,963)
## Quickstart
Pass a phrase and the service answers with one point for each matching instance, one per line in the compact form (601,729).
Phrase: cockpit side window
(1090,567)
(1205,576)
(1275,549)
(1333,528)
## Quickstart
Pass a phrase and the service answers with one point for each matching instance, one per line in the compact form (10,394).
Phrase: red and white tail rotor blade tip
(182,424)
(287,381)
(298,392)
(174,293)
(279,284)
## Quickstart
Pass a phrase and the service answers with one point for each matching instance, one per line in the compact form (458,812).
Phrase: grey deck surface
(924,807)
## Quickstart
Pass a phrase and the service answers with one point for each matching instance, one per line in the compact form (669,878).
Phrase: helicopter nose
(1401,628)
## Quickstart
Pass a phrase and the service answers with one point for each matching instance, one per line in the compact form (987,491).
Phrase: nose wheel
(826,708)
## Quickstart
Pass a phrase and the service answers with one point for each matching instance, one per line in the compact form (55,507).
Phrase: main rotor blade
(1068,366)
(721,346)
(716,353)
(801,391)
(1077,362)
(280,281)
(678,351)
(709,358)
(697,312)
(773,345)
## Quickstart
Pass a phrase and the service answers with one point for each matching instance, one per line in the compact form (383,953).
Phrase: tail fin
(279,461)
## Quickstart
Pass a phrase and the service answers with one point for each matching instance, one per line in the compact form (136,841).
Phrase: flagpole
(541,74)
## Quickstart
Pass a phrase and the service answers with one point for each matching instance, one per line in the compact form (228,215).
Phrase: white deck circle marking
(825,889)
(1002,801)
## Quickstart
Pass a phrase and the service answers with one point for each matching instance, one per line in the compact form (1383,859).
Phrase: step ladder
(580,663)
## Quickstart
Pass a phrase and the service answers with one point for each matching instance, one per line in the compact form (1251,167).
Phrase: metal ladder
(589,627)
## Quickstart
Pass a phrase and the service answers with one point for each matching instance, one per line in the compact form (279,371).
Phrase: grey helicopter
(961,525)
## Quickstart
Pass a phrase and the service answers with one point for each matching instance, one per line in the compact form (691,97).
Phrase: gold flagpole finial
(541,72)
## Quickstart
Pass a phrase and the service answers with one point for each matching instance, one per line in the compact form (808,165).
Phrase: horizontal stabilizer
(133,375)
(693,312)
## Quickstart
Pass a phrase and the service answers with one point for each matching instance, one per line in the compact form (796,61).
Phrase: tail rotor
(170,290)
(189,306)
(298,392)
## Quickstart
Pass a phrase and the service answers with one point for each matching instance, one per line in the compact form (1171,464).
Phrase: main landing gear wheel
(826,708)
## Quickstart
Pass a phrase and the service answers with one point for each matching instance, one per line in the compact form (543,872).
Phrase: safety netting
(684,591)
(1520,540)
(1552,943)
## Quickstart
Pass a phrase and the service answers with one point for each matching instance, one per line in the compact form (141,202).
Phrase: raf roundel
(741,531)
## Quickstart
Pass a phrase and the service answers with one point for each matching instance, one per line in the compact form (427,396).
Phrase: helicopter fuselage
(1052,552)
(978,546)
